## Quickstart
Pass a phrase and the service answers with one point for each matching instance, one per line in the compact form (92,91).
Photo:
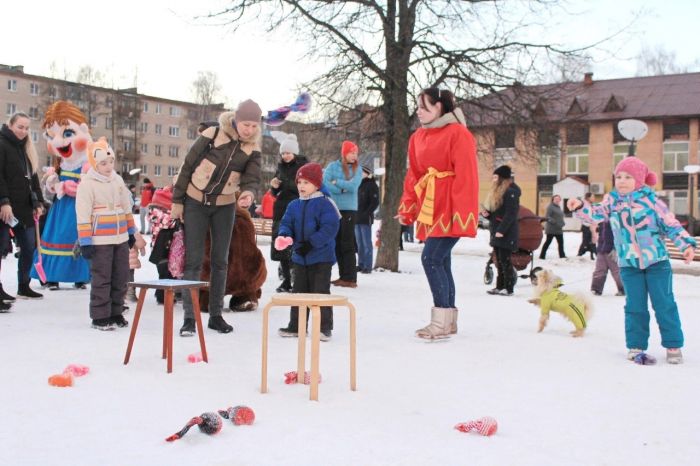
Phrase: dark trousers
(345,246)
(548,241)
(109,270)
(363,234)
(315,278)
(200,219)
(505,279)
(603,264)
(26,240)
(286,268)
(587,244)
(163,272)
(437,263)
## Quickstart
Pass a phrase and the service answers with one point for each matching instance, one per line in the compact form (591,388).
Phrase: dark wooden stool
(169,287)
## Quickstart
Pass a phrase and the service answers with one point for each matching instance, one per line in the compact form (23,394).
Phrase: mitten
(282,242)
(304,248)
(485,426)
(70,187)
(132,241)
(87,251)
(239,415)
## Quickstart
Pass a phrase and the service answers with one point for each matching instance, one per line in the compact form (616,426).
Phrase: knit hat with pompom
(639,171)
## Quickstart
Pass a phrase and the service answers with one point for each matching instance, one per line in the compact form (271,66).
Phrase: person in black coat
(284,188)
(20,198)
(367,203)
(501,209)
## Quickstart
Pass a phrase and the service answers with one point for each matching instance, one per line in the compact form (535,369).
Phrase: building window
(620,151)
(145,107)
(52,92)
(34,112)
(127,145)
(159,128)
(676,129)
(144,148)
(11,109)
(577,136)
(126,168)
(677,201)
(172,171)
(502,157)
(156,170)
(108,122)
(174,111)
(143,127)
(675,156)
(158,149)
(33,88)
(35,136)
(174,131)
(505,137)
(577,160)
(93,121)
(144,169)
(173,151)
(191,133)
(548,161)
(12,85)
(157,109)
(108,102)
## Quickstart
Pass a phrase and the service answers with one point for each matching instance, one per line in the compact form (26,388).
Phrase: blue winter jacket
(315,220)
(343,192)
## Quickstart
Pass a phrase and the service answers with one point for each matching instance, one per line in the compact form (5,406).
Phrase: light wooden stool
(313,301)
(169,286)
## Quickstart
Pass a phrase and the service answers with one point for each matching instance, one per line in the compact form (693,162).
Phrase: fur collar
(92,173)
(455,116)
(248,146)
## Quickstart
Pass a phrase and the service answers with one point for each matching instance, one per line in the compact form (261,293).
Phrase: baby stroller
(529,238)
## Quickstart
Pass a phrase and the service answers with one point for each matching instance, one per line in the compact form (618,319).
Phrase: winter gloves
(282,242)
(304,248)
(132,241)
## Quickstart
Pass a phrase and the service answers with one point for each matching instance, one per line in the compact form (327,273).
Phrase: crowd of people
(200,225)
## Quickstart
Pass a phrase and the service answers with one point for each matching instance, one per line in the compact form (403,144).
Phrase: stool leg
(169,298)
(194,292)
(315,348)
(135,324)
(353,348)
(265,331)
(301,344)
(165,324)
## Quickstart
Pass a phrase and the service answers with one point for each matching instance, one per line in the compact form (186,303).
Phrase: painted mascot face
(66,131)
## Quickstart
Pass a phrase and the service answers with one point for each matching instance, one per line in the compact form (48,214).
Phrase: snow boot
(440,324)
(4,296)
(453,324)
(674,356)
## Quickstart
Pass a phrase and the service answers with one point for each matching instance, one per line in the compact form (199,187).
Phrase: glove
(304,248)
(87,251)
(282,242)
(132,241)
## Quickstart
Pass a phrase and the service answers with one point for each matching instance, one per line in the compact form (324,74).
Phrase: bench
(674,252)
(263,226)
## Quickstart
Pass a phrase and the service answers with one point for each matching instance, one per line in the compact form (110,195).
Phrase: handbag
(161,247)
(176,255)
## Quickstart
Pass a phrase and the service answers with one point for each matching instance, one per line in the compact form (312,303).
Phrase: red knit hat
(347,147)
(312,173)
(639,171)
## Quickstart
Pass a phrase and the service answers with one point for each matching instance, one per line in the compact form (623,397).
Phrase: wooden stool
(313,301)
(169,287)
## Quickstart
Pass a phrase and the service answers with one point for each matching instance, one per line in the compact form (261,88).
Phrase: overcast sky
(158,45)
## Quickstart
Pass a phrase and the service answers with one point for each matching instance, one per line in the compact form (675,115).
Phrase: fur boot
(453,327)
(440,324)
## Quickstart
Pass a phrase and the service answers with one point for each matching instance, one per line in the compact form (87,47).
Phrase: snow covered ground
(558,400)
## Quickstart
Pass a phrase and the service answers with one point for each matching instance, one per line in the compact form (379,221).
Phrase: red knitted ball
(488,426)
(242,415)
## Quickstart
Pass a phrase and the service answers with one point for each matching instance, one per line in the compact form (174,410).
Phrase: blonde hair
(29,148)
(494,200)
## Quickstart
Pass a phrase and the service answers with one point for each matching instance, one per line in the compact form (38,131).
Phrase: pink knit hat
(639,171)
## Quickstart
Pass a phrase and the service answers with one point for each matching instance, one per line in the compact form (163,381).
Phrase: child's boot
(440,324)
(633,352)
(453,326)
(674,356)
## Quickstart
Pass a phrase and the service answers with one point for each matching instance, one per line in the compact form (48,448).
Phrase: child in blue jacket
(310,223)
(640,221)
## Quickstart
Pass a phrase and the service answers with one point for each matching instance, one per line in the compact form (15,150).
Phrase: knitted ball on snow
(239,415)
(208,423)
(486,426)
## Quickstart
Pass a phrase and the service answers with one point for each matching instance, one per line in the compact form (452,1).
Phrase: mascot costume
(67,135)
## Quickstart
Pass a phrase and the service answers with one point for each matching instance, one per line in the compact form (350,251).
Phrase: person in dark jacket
(20,199)
(309,227)
(221,162)
(367,203)
(502,207)
(606,260)
(554,226)
(284,188)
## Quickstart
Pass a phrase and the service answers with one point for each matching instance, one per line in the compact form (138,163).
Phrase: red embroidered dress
(441,188)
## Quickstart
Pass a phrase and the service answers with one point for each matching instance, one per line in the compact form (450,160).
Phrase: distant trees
(657,60)
(206,89)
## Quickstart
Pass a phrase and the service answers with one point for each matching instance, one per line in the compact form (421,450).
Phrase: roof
(651,97)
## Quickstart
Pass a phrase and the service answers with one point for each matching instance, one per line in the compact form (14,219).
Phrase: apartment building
(146,132)
(548,133)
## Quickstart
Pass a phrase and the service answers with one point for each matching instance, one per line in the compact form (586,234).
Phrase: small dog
(575,307)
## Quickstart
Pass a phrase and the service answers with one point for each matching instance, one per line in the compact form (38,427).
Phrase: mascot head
(66,132)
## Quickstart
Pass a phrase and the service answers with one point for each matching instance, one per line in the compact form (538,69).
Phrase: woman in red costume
(441,194)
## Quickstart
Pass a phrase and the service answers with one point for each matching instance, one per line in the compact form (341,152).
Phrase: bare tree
(86,74)
(657,61)
(206,89)
(382,53)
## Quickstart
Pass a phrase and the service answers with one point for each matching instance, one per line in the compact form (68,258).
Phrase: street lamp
(692,171)
(633,131)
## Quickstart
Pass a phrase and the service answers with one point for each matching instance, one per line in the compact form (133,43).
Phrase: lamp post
(692,171)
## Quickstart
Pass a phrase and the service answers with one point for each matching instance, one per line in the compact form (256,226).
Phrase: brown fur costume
(246,264)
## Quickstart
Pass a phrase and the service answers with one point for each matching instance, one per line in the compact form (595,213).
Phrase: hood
(455,116)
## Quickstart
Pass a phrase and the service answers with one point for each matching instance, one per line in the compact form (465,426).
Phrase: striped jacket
(103,207)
